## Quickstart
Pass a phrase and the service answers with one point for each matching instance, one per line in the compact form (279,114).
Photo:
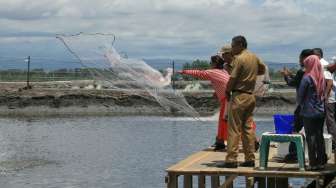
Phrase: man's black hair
(219,62)
(318,51)
(306,52)
(240,40)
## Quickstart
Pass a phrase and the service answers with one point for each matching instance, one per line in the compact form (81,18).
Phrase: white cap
(333,59)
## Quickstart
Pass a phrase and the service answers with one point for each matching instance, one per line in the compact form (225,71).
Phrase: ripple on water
(10,166)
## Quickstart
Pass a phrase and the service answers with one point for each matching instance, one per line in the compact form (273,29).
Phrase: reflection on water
(100,152)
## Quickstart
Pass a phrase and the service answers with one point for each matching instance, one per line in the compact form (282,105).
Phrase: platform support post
(172,180)
(214,181)
(261,182)
(187,182)
(201,181)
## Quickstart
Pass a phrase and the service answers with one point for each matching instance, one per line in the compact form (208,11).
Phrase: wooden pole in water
(28,72)
(173,75)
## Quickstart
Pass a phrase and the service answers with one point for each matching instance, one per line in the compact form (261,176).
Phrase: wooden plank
(214,181)
(201,181)
(188,161)
(187,181)
(254,173)
(203,163)
(172,180)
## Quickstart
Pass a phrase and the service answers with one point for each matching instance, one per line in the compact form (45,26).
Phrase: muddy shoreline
(54,100)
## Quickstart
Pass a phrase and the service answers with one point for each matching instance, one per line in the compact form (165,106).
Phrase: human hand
(179,72)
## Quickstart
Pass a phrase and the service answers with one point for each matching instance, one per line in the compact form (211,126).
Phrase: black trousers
(298,119)
(315,141)
(330,109)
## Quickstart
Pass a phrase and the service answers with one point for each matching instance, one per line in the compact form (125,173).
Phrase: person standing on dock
(330,100)
(219,79)
(294,81)
(311,99)
(226,53)
(246,67)
(331,106)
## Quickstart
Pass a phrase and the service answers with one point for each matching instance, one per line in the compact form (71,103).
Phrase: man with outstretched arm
(246,67)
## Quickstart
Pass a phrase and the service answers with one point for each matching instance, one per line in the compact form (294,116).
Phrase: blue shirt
(311,104)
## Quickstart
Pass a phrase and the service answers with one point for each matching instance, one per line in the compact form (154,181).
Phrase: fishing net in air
(262,84)
(96,52)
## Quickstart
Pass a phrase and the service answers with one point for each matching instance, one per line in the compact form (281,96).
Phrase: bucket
(283,123)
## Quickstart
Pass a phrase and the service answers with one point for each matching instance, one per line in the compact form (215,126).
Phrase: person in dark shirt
(311,101)
(294,81)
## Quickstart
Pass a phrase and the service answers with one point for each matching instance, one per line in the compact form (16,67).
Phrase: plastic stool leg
(263,153)
(300,153)
(267,152)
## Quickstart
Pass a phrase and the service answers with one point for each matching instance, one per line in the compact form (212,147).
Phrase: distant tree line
(44,75)
(196,64)
(88,73)
(203,64)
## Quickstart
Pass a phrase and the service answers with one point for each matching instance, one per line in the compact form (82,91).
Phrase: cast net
(262,84)
(96,52)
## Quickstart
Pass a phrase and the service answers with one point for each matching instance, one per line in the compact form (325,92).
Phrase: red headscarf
(313,68)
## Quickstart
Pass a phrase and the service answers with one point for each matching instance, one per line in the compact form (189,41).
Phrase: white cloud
(185,29)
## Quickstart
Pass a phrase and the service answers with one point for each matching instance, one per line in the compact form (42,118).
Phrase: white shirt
(329,76)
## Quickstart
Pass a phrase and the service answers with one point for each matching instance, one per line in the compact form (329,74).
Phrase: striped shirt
(218,78)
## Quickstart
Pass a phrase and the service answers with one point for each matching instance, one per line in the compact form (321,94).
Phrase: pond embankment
(79,98)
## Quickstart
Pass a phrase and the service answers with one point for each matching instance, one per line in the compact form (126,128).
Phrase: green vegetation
(36,75)
(197,64)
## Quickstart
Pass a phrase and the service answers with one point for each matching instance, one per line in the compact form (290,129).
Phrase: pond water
(101,152)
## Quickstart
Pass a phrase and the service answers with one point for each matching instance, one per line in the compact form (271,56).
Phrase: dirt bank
(68,101)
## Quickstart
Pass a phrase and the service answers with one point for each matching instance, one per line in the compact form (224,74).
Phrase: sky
(276,30)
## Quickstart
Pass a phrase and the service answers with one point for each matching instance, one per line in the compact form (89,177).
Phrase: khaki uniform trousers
(240,118)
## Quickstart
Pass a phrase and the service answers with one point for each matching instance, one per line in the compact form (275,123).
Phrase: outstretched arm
(294,81)
(202,74)
(261,68)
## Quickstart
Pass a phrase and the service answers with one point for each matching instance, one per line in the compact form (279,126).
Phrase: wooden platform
(202,164)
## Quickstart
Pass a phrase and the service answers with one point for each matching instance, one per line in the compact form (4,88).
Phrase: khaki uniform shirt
(246,67)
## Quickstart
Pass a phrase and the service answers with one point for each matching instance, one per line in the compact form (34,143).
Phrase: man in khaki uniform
(246,67)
